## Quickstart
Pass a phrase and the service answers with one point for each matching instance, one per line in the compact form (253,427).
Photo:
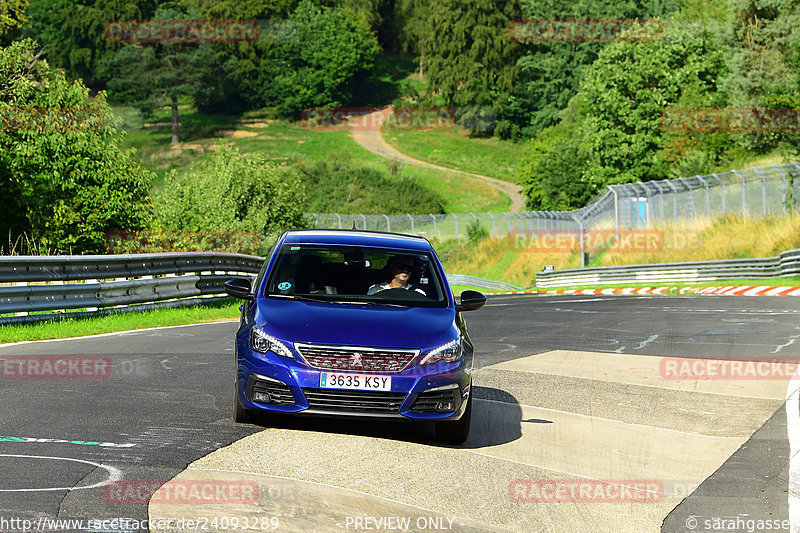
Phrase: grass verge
(77,327)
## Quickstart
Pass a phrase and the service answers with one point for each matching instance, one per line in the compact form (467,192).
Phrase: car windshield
(356,275)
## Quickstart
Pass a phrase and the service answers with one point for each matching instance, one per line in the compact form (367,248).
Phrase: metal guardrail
(93,282)
(786,264)
(100,284)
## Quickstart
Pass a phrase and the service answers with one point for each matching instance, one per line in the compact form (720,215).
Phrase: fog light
(444,407)
(261,397)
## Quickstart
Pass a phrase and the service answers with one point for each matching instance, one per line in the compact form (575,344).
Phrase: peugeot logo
(355,360)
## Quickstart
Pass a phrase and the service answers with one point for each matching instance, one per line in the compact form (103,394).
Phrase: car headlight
(263,343)
(449,353)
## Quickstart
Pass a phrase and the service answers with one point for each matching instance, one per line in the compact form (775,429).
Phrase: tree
(471,58)
(12,14)
(147,76)
(319,55)
(63,176)
(625,93)
(73,33)
(231,191)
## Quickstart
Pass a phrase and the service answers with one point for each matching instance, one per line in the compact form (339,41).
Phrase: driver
(401,267)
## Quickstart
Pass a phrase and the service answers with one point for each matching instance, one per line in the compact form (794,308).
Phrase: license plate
(331,380)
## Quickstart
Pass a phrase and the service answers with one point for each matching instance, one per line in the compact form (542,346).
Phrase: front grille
(353,401)
(279,393)
(356,358)
(426,402)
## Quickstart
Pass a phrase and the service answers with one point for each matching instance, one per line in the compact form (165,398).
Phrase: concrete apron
(560,441)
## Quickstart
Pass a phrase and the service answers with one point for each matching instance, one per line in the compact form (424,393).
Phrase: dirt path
(371,139)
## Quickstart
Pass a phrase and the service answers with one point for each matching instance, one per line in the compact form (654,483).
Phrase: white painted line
(114,474)
(129,331)
(793,429)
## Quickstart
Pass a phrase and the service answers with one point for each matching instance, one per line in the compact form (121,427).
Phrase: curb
(743,290)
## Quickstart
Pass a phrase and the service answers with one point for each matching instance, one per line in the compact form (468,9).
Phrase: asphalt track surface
(568,389)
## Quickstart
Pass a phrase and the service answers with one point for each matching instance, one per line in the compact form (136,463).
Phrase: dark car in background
(324,332)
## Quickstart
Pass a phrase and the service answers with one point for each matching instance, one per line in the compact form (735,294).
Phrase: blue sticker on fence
(284,285)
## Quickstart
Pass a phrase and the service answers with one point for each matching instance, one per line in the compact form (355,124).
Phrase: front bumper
(267,382)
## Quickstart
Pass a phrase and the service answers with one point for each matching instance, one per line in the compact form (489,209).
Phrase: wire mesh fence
(755,192)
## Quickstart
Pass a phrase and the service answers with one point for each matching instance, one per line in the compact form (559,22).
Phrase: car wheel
(458,431)
(240,414)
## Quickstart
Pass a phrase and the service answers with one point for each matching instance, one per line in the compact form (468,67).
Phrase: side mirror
(239,288)
(470,301)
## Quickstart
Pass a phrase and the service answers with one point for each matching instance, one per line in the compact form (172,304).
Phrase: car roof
(380,239)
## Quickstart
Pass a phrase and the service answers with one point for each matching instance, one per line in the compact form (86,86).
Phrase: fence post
(744,194)
(388,226)
(492,217)
(722,184)
(435,235)
(316,221)
(708,200)
(583,245)
(783,188)
(674,202)
(363,218)
(339,217)
(456,217)
(763,191)
(412,222)
(616,209)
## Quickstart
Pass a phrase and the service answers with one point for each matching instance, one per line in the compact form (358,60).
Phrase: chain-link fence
(754,192)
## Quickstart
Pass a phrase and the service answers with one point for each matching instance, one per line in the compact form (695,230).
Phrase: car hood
(356,325)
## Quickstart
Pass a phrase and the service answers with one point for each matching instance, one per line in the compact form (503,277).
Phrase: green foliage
(341,186)
(552,169)
(12,14)
(63,176)
(624,94)
(550,72)
(475,232)
(73,33)
(470,58)
(320,53)
(150,76)
(231,191)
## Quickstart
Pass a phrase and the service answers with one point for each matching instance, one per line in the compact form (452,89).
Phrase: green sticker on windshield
(294,248)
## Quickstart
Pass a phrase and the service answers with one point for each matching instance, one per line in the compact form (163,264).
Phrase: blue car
(351,323)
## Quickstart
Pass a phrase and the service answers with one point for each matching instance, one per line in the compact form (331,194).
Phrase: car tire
(240,414)
(458,431)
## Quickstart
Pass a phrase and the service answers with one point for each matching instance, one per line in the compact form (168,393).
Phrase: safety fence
(753,193)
